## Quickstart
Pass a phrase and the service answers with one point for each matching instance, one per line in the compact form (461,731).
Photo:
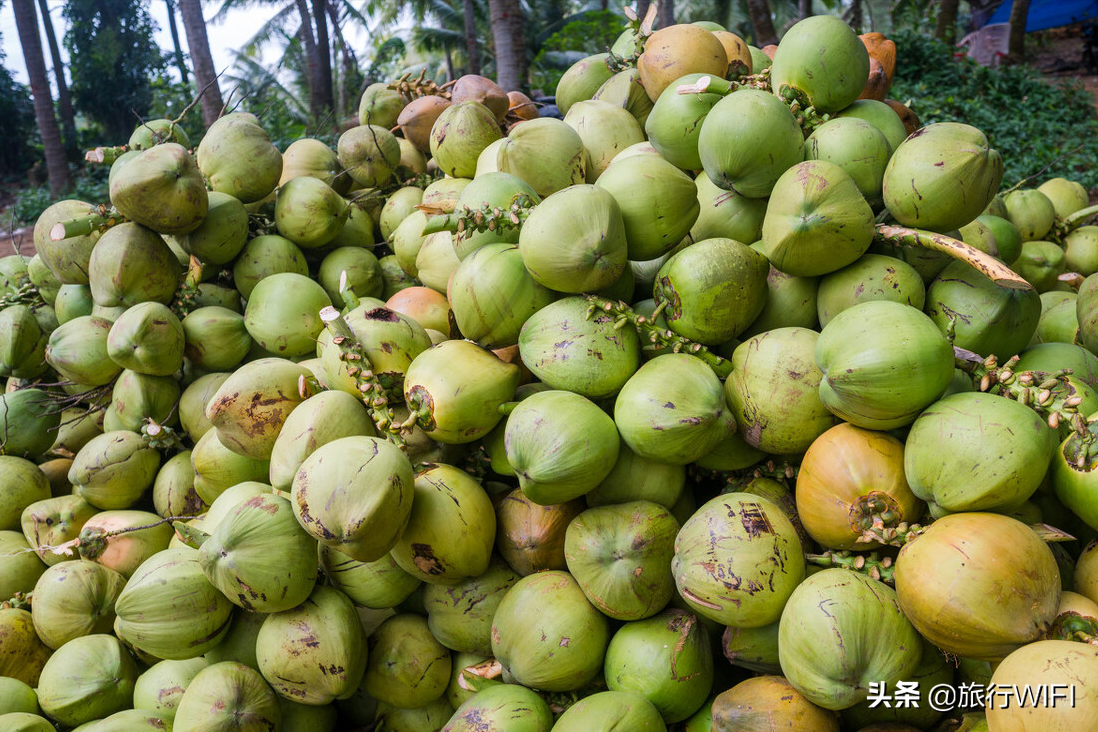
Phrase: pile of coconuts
(730,395)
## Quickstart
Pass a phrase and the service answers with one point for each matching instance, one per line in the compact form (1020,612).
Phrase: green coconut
(67,258)
(977,452)
(748,140)
(309,213)
(162,188)
(666,659)
(883,363)
(621,556)
(493,295)
(986,319)
(560,445)
(658,203)
(75,599)
(376,585)
(841,631)
(236,156)
(227,697)
(726,214)
(457,387)
(1031,211)
(611,710)
(546,635)
(250,407)
(315,652)
(605,129)
(407,667)
(624,89)
(745,536)
(355,494)
(672,410)
(546,153)
(857,147)
(825,59)
(636,478)
(582,80)
(1067,196)
(147,338)
(871,277)
(502,708)
(773,391)
(132,264)
(380,105)
(86,679)
(942,177)
(460,134)
(817,220)
(28,422)
(114,469)
(460,616)
(451,529)
(78,351)
(713,290)
(222,234)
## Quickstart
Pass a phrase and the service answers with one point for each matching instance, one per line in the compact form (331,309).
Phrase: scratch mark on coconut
(423,555)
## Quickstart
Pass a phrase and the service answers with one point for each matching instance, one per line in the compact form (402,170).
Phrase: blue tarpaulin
(1050,13)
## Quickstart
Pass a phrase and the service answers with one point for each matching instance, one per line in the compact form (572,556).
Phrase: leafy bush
(592,32)
(18,128)
(1042,128)
(89,186)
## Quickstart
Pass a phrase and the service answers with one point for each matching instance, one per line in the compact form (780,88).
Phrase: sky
(239,26)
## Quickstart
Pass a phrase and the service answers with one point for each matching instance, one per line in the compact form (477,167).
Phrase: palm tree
(762,22)
(204,73)
(179,62)
(64,101)
(57,167)
(510,42)
(1019,12)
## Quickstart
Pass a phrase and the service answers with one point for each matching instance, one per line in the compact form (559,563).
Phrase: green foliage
(169,100)
(1033,122)
(113,60)
(592,32)
(89,186)
(18,128)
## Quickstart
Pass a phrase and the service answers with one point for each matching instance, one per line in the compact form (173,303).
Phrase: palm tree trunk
(204,73)
(323,55)
(347,74)
(856,19)
(762,21)
(666,14)
(804,9)
(449,56)
(1019,12)
(642,7)
(57,167)
(64,101)
(946,28)
(312,65)
(510,40)
(472,47)
(179,62)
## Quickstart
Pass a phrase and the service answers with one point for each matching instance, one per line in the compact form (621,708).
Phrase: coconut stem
(373,393)
(1065,226)
(191,536)
(465,220)
(350,299)
(186,297)
(18,601)
(1071,626)
(160,437)
(1051,395)
(105,155)
(103,219)
(420,86)
(995,270)
(871,564)
(26,294)
(897,535)
(656,336)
